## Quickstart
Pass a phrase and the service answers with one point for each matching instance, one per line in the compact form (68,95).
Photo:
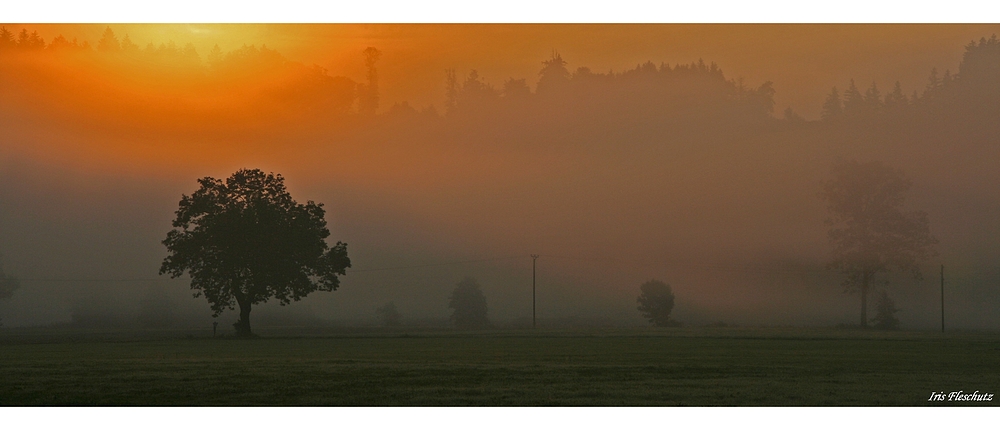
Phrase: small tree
(469,306)
(885,313)
(389,315)
(870,232)
(156,309)
(244,241)
(7,286)
(656,301)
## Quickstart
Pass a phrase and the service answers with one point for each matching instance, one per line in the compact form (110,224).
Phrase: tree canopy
(389,315)
(885,313)
(245,241)
(656,301)
(869,231)
(469,305)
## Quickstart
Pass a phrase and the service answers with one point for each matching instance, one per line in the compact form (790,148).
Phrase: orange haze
(672,157)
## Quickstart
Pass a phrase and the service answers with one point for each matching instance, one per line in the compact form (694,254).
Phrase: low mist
(675,172)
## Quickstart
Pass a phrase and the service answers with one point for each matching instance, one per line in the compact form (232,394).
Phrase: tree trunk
(864,300)
(243,324)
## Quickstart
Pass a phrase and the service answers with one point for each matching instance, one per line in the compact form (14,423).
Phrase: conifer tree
(896,99)
(553,75)
(832,107)
(215,57)
(854,102)
(128,47)
(450,90)
(933,85)
(6,39)
(873,99)
(369,98)
(109,42)
(23,39)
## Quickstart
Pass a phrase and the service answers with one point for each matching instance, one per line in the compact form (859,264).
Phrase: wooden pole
(534,258)
(942,298)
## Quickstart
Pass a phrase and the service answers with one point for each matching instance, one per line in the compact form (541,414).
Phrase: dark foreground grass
(637,367)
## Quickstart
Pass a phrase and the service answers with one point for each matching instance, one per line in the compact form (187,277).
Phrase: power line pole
(942,298)
(534,258)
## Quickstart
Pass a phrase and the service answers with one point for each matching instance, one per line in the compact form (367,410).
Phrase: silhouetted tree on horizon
(870,232)
(885,313)
(389,315)
(854,102)
(873,100)
(895,100)
(30,42)
(516,89)
(109,42)
(450,91)
(553,75)
(368,104)
(8,284)
(128,47)
(656,302)
(468,306)
(832,107)
(245,241)
(933,84)
(6,39)
(214,57)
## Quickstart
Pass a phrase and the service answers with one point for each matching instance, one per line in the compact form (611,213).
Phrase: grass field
(689,366)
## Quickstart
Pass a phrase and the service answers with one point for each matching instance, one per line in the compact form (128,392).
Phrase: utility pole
(942,298)
(534,258)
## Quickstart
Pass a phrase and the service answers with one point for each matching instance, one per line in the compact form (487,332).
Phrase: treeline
(689,86)
(648,104)
(648,90)
(648,100)
(649,94)
(264,69)
(973,90)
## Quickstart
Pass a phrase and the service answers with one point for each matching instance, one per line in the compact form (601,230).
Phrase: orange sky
(804,61)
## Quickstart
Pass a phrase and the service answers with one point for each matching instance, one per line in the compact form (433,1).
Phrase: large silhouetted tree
(870,232)
(244,241)
(656,301)
(469,305)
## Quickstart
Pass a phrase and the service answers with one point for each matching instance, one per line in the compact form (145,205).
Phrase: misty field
(691,366)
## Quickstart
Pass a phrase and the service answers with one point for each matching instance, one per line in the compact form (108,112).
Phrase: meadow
(678,366)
